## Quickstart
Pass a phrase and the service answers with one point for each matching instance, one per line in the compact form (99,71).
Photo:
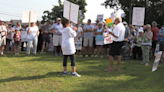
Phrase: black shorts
(161,46)
(154,43)
(8,40)
(107,46)
(115,48)
(46,39)
(16,43)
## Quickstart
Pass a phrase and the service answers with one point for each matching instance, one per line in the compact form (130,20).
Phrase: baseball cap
(58,18)
(9,23)
(1,19)
(141,31)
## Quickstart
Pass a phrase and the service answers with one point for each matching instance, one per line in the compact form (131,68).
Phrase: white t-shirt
(119,31)
(68,44)
(9,36)
(3,28)
(79,32)
(33,32)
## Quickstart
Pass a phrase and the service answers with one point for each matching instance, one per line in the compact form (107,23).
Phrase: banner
(138,16)
(71,11)
(157,60)
(108,40)
(157,50)
(78,43)
(100,17)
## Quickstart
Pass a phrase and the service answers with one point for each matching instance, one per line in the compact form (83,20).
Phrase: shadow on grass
(18,78)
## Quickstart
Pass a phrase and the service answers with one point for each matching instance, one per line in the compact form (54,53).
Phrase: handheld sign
(100,17)
(71,11)
(138,16)
(78,43)
(156,62)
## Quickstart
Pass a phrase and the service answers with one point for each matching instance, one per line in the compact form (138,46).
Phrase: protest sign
(157,60)
(157,50)
(100,17)
(108,40)
(71,11)
(112,16)
(23,36)
(80,14)
(29,16)
(122,15)
(78,44)
(138,16)
(51,48)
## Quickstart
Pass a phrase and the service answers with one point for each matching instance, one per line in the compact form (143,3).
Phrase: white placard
(71,12)
(78,44)
(26,16)
(80,14)
(100,17)
(138,16)
(112,16)
(156,62)
(108,40)
(23,36)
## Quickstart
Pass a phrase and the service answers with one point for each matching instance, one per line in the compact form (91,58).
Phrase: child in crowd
(137,48)
(17,40)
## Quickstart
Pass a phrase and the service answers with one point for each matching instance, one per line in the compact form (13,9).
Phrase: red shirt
(18,37)
(155,32)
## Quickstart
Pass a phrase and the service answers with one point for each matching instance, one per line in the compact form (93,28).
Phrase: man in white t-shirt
(3,32)
(118,38)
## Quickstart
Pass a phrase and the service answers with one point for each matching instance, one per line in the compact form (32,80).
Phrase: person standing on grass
(118,38)
(3,32)
(32,36)
(56,29)
(155,32)
(9,36)
(137,48)
(46,36)
(99,39)
(161,47)
(17,40)
(68,47)
(146,45)
(88,38)
(79,35)
(131,39)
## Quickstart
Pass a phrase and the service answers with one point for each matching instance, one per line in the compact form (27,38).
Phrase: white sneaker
(102,56)
(76,75)
(96,56)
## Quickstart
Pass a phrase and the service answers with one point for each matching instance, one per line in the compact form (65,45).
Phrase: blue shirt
(57,28)
(88,34)
(162,37)
(99,37)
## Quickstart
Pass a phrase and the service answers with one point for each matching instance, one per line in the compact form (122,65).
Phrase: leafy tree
(154,8)
(57,11)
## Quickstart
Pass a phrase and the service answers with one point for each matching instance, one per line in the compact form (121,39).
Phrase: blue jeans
(31,42)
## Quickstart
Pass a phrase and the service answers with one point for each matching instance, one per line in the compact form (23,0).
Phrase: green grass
(43,73)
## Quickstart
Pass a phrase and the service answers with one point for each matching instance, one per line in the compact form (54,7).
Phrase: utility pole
(130,12)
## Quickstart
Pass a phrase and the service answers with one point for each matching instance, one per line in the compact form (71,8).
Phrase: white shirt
(3,28)
(68,44)
(9,36)
(119,31)
(33,32)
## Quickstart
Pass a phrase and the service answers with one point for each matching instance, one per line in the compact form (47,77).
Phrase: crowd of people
(132,42)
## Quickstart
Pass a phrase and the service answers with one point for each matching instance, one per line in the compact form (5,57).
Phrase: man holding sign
(118,38)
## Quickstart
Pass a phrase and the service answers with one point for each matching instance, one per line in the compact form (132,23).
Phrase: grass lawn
(43,73)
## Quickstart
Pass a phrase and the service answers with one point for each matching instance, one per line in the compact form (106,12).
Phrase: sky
(12,9)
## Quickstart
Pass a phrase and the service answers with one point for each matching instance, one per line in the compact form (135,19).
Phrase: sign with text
(157,50)
(157,60)
(100,17)
(27,15)
(71,11)
(78,43)
(108,40)
(138,16)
